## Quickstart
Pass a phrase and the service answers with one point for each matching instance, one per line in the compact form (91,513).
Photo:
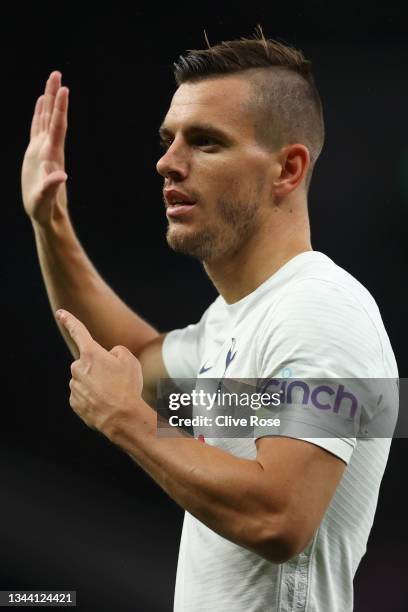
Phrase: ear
(294,162)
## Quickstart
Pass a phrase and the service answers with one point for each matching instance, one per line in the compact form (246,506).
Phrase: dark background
(75,512)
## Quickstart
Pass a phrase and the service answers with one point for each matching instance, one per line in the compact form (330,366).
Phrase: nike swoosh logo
(204,369)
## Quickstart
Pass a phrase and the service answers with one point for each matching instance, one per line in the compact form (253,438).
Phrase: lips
(177,210)
(178,203)
(173,197)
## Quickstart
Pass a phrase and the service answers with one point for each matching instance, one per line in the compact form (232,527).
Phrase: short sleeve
(318,331)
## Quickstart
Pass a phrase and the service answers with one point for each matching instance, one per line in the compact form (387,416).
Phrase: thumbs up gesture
(105,385)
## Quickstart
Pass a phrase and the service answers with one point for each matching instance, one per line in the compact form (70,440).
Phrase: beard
(231,226)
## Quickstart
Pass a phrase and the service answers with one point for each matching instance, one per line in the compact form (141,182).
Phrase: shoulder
(326,314)
(322,292)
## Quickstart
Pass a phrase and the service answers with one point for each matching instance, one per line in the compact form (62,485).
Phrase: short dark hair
(286,104)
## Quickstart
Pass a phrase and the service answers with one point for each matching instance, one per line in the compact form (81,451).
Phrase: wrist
(128,427)
(56,223)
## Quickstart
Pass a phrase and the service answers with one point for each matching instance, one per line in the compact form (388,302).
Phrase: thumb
(52,183)
(124,354)
(120,352)
(54,179)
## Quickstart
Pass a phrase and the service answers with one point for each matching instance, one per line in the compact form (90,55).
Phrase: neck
(284,235)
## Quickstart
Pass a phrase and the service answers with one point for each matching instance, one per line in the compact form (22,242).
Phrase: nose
(172,163)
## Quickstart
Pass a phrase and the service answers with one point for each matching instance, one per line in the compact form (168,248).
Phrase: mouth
(179,209)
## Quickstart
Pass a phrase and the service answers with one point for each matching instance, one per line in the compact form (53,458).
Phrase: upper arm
(301,479)
(153,368)
(317,332)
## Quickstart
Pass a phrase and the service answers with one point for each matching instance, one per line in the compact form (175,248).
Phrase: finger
(51,88)
(75,370)
(35,123)
(74,402)
(58,124)
(77,330)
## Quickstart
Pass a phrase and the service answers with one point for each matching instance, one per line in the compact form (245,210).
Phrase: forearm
(73,283)
(228,494)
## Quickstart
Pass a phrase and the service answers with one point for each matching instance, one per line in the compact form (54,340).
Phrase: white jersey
(311,318)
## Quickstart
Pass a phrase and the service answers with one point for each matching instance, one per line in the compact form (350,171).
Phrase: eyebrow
(198,128)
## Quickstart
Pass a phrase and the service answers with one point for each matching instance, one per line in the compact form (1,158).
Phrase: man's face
(213,159)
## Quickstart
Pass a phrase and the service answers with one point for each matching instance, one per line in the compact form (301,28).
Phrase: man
(272,522)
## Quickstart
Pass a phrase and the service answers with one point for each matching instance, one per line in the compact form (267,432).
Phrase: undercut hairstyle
(285,103)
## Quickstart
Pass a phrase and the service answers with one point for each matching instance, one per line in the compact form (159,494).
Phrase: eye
(204,141)
(200,141)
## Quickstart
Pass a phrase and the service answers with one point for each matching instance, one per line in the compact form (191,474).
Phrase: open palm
(43,173)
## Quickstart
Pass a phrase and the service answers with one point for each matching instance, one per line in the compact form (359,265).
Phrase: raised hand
(43,173)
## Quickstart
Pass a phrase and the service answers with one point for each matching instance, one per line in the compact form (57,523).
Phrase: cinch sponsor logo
(333,397)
